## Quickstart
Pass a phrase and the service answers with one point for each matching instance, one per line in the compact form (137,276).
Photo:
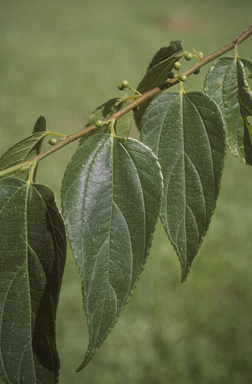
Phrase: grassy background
(62,59)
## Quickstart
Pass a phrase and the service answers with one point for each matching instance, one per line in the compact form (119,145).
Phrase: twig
(145,96)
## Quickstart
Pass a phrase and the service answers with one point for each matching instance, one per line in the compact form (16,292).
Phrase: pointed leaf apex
(117,184)
(40,125)
(192,171)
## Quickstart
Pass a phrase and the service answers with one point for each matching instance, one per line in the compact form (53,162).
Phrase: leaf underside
(225,83)
(33,252)
(111,195)
(186,133)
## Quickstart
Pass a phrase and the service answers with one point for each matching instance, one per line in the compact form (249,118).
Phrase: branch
(147,95)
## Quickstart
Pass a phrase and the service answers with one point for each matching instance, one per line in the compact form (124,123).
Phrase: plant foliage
(113,191)
(192,168)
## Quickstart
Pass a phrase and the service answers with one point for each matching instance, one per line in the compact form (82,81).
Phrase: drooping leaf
(245,94)
(105,110)
(25,149)
(225,83)
(186,133)
(32,259)
(111,195)
(156,76)
(166,52)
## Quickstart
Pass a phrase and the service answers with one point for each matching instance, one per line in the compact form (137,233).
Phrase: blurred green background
(62,59)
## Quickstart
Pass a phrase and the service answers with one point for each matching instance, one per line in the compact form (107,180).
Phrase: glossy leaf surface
(32,259)
(225,83)
(111,195)
(156,76)
(186,133)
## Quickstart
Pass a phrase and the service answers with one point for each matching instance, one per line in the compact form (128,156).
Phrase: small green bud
(23,169)
(177,65)
(120,87)
(99,124)
(135,109)
(200,54)
(196,72)
(183,77)
(53,141)
(188,56)
(125,83)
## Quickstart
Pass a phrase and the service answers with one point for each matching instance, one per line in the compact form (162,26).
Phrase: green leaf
(123,125)
(40,125)
(111,194)
(154,77)
(186,133)
(245,94)
(105,110)
(166,52)
(27,148)
(225,83)
(33,252)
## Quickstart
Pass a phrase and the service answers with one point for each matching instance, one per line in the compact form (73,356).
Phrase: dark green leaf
(33,251)
(186,133)
(111,195)
(105,110)
(23,150)
(40,125)
(166,52)
(153,78)
(245,94)
(226,84)
(20,151)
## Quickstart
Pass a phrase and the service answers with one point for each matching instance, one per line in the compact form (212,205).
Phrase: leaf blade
(21,150)
(165,52)
(105,110)
(245,94)
(40,125)
(186,134)
(157,75)
(99,192)
(225,84)
(32,265)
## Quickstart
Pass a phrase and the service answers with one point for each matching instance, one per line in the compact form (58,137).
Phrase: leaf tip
(89,356)
(184,275)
